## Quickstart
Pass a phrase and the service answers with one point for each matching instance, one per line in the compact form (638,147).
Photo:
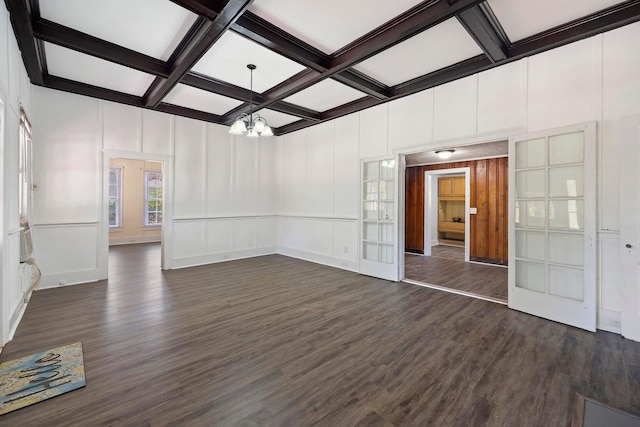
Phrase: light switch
(473,211)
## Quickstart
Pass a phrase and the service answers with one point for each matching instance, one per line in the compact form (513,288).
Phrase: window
(152,198)
(115,191)
(24,171)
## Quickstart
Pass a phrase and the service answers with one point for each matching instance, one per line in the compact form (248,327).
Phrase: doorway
(437,254)
(136,215)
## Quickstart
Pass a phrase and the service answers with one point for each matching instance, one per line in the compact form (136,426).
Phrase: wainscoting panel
(70,256)
(245,231)
(210,240)
(328,241)
(189,238)
(219,236)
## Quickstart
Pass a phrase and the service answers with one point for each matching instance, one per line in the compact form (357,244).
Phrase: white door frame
(431,205)
(167,205)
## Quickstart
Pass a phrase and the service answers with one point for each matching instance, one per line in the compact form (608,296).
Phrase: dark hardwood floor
(282,342)
(446,267)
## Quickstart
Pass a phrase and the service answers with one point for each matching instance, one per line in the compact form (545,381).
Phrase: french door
(379,218)
(630,227)
(552,225)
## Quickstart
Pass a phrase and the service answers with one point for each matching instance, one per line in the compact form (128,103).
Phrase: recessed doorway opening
(456,212)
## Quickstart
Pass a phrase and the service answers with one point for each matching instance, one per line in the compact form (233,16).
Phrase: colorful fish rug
(40,376)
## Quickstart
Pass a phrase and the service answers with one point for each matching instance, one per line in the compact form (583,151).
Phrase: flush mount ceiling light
(445,154)
(253,124)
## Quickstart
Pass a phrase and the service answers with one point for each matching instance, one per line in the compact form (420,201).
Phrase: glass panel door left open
(379,218)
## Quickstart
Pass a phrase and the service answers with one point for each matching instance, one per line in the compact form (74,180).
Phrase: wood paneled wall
(489,194)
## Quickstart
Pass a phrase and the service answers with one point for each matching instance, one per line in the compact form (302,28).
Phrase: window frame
(118,198)
(146,176)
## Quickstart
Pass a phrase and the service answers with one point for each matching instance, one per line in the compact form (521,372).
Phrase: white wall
(219,189)
(594,79)
(15,91)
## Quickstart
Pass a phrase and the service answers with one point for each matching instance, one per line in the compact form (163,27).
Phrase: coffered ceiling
(315,60)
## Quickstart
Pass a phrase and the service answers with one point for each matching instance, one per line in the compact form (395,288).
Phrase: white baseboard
(114,241)
(222,257)
(330,261)
(70,278)
(609,321)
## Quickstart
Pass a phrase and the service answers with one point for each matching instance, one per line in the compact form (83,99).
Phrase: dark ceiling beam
(363,83)
(268,35)
(72,86)
(423,16)
(483,30)
(67,37)
(206,8)
(188,112)
(198,45)
(414,21)
(220,87)
(273,38)
(20,14)
(457,71)
(59,83)
(296,110)
(604,20)
(303,80)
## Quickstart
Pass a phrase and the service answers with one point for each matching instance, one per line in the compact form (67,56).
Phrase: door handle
(628,246)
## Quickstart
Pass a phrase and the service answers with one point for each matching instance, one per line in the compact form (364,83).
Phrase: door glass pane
(566,181)
(530,183)
(530,213)
(386,253)
(370,231)
(386,211)
(387,169)
(530,245)
(370,210)
(530,275)
(567,214)
(566,282)
(568,148)
(386,190)
(371,190)
(371,171)
(566,249)
(530,154)
(386,233)
(370,251)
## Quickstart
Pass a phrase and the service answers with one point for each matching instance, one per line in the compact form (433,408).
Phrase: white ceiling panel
(329,25)
(438,47)
(152,27)
(524,18)
(276,118)
(227,60)
(197,99)
(67,63)
(325,95)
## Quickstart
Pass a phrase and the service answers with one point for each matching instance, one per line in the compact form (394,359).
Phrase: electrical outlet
(346,249)
(615,322)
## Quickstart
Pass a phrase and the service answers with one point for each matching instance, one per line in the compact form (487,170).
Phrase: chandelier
(252,124)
